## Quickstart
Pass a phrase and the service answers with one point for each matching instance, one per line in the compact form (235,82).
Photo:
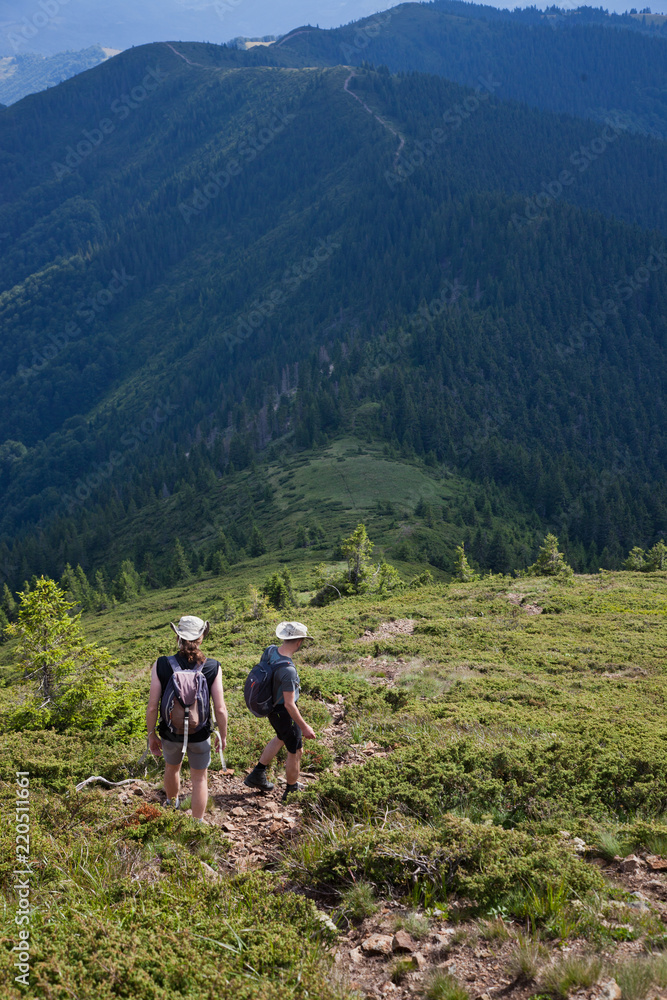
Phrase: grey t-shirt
(285,677)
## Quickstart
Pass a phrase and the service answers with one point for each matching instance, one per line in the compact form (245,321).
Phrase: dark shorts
(286,729)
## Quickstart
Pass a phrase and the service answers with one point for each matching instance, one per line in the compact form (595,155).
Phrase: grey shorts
(198,754)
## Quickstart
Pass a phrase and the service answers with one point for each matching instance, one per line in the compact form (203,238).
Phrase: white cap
(190,628)
(292,630)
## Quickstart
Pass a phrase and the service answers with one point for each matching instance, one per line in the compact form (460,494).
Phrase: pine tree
(463,571)
(8,603)
(70,676)
(656,558)
(357,550)
(550,562)
(180,567)
(127,584)
(256,545)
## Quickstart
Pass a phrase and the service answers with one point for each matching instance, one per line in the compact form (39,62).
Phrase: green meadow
(506,717)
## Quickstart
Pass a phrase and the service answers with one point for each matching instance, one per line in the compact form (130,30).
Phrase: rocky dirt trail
(260,826)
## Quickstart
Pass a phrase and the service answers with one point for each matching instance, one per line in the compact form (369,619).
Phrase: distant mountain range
(54,26)
(214,257)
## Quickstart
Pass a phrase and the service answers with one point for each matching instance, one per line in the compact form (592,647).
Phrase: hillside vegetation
(478,729)
(172,326)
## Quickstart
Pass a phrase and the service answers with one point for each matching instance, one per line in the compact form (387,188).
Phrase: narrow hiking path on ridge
(346,88)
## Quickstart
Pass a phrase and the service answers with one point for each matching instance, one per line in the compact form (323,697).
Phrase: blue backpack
(258,688)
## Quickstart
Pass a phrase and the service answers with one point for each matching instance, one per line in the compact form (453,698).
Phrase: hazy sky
(50,26)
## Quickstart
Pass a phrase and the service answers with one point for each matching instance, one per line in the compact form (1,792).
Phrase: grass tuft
(414,924)
(359,901)
(570,972)
(443,986)
(399,969)
(526,959)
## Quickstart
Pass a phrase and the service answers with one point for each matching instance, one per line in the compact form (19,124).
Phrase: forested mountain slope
(199,260)
(580,62)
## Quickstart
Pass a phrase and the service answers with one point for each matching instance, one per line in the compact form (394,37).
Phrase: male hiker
(182,687)
(272,690)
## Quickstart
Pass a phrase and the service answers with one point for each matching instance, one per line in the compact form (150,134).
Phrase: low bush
(524,779)
(481,863)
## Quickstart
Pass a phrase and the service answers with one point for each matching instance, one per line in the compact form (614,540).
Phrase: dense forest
(207,264)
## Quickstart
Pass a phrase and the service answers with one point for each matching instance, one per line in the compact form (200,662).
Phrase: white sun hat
(191,628)
(293,630)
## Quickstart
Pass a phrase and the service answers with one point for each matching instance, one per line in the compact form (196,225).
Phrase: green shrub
(522,779)
(478,862)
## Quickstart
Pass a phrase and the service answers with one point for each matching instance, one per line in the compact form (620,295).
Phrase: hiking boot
(258,779)
(292,790)
(172,803)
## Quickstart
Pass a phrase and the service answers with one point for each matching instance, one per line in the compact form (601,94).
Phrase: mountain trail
(382,122)
(188,61)
(257,824)
(288,38)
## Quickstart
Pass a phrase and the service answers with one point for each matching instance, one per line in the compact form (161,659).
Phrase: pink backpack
(185,706)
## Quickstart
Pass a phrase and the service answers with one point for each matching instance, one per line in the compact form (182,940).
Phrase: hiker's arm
(307,732)
(154,695)
(218,696)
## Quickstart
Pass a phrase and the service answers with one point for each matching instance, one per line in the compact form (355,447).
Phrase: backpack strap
(176,667)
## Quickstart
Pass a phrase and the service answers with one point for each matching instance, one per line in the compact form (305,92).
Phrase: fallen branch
(111,784)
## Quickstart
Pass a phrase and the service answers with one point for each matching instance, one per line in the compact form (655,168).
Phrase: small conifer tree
(357,550)
(69,676)
(463,571)
(180,567)
(550,562)
(656,558)
(8,604)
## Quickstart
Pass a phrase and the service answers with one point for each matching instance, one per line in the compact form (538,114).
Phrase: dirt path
(346,88)
(188,61)
(288,38)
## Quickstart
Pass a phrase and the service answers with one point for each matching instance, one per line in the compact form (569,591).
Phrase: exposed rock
(420,959)
(607,989)
(656,863)
(210,874)
(378,944)
(579,845)
(631,864)
(238,811)
(356,956)
(403,942)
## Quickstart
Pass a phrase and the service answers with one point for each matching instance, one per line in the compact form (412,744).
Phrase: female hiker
(182,688)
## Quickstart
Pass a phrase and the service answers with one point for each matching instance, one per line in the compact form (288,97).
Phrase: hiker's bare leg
(199,792)
(172,780)
(270,750)
(292,767)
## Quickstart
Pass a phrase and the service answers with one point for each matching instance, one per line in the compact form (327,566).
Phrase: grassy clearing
(506,735)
